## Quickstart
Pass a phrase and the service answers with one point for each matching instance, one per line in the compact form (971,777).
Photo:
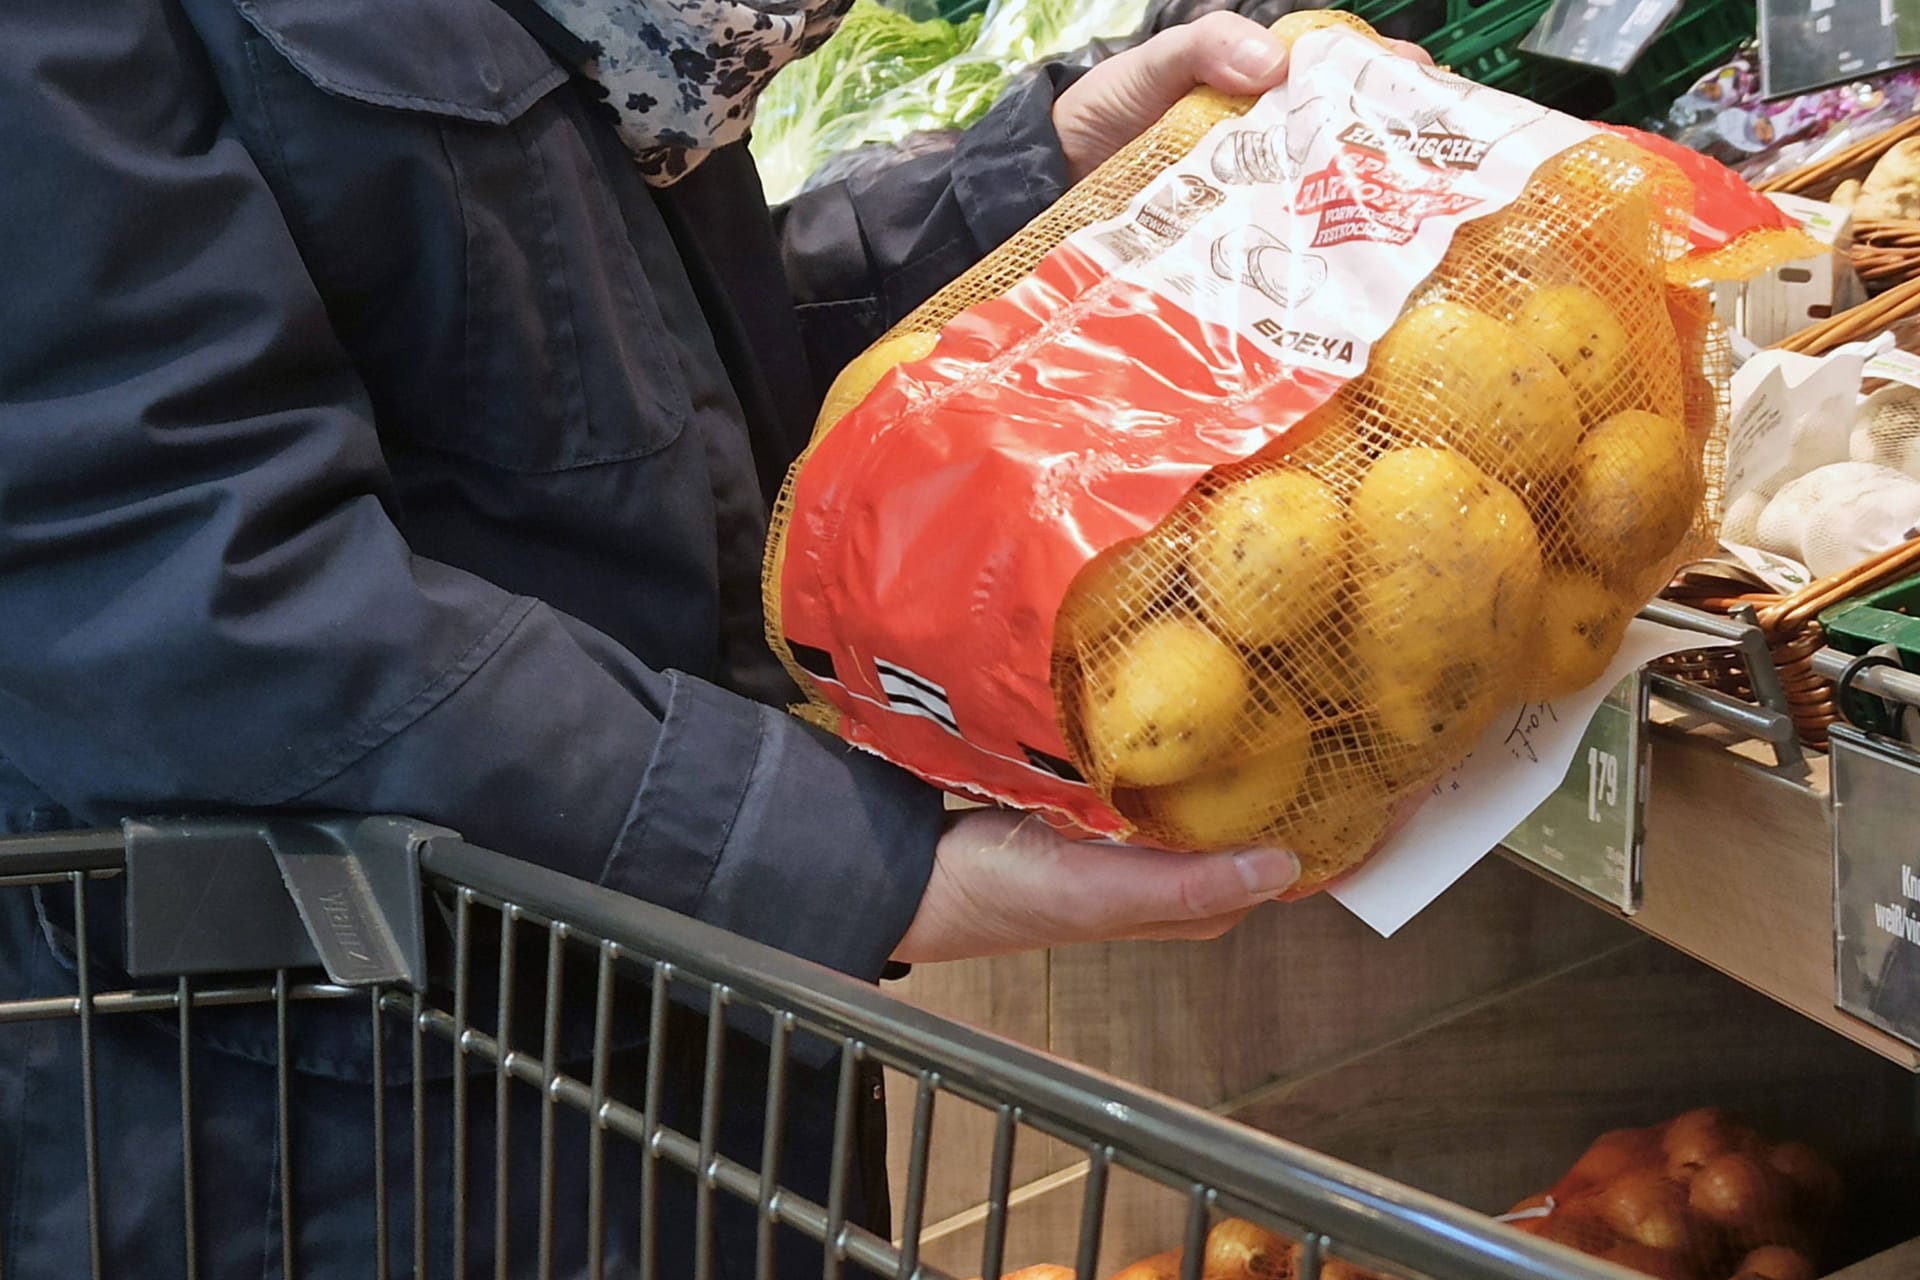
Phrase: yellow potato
(1449,374)
(1427,718)
(1447,582)
(1163,704)
(1123,586)
(1231,803)
(1635,489)
(864,372)
(1292,26)
(1580,333)
(1581,623)
(1343,810)
(1269,556)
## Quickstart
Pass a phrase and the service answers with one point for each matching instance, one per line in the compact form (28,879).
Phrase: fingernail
(1266,872)
(1257,57)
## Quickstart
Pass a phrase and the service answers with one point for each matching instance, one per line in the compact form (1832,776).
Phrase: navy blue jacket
(372,438)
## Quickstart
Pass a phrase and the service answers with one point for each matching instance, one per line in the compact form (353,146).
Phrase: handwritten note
(1513,769)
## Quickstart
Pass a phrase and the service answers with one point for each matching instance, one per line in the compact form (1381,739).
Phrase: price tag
(1906,28)
(1588,831)
(1876,881)
(1810,44)
(1608,34)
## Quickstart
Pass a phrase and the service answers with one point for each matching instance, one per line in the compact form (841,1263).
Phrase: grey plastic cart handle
(234,895)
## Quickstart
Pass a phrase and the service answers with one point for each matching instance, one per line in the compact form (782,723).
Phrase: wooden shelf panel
(1739,874)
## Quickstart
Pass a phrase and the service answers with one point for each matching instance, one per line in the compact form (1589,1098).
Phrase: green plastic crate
(1890,615)
(1480,39)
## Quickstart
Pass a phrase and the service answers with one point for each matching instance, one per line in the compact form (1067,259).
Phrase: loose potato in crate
(1236,496)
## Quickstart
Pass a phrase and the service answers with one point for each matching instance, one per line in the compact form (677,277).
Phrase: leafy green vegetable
(876,49)
(884,77)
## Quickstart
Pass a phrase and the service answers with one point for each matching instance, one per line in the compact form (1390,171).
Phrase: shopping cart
(361,901)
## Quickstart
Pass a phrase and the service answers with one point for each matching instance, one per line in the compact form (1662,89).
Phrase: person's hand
(1005,882)
(1114,102)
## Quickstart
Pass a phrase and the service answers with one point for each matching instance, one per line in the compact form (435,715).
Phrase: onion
(1577,1229)
(1733,1190)
(1611,1155)
(1695,1137)
(1816,1187)
(1661,1263)
(1161,1266)
(1239,1250)
(1776,1262)
(1650,1208)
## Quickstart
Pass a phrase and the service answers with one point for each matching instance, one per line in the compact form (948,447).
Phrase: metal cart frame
(356,884)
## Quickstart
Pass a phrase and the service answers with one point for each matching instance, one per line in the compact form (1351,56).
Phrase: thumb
(1145,886)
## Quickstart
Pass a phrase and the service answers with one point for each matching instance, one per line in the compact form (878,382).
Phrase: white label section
(1306,224)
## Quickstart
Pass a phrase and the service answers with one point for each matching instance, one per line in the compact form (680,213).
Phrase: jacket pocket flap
(467,59)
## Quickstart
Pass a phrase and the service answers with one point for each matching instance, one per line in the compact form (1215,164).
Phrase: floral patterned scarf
(682,75)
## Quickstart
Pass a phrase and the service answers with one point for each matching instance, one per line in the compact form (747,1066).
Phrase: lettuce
(884,77)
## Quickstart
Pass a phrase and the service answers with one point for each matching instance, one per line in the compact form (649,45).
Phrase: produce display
(1236,497)
(1700,1197)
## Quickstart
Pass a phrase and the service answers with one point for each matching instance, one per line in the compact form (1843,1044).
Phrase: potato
(1442,550)
(1123,586)
(1449,374)
(1635,488)
(1230,804)
(1892,190)
(1446,590)
(1582,336)
(864,372)
(1269,556)
(1163,703)
(1335,444)
(1343,810)
(1581,623)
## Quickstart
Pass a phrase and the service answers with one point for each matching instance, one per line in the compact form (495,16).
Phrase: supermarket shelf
(1738,870)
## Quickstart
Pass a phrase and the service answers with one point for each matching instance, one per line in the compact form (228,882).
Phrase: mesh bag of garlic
(1234,498)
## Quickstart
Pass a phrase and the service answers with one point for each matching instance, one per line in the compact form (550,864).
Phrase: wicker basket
(1791,626)
(1885,251)
(1790,622)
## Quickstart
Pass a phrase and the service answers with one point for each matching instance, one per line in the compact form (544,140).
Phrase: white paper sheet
(1515,767)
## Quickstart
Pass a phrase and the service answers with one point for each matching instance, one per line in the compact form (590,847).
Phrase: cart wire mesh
(511,927)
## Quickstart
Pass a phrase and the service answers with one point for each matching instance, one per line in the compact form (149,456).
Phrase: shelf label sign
(1876,881)
(1588,831)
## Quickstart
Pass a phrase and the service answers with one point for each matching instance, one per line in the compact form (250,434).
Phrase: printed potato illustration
(1582,336)
(1163,704)
(1232,803)
(1633,493)
(1581,623)
(1269,556)
(1451,374)
(866,370)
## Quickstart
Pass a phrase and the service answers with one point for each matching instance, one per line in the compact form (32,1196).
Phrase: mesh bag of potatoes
(1234,498)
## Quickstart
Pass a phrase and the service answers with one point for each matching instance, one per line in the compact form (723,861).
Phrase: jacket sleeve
(204,601)
(861,253)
